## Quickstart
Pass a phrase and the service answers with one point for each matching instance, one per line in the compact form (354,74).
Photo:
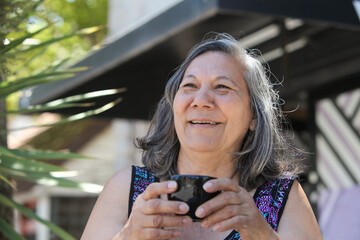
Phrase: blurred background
(311,47)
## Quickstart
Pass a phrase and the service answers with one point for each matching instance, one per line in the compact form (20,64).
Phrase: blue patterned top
(270,198)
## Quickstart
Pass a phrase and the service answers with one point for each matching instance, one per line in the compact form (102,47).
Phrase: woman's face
(212,106)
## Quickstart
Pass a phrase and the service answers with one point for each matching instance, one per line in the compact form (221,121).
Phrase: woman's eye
(191,85)
(222,86)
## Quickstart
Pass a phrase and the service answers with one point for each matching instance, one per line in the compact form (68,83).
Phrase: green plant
(30,164)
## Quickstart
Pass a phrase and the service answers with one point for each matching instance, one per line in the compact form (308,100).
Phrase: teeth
(199,122)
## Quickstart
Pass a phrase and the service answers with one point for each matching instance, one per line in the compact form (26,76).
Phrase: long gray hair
(265,154)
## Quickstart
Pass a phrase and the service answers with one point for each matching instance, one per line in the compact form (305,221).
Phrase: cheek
(241,117)
(181,101)
(176,107)
(178,110)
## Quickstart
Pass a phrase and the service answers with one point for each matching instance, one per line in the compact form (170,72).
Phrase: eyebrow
(189,76)
(217,78)
(228,79)
(222,77)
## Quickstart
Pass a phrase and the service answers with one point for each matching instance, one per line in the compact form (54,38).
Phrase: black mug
(190,190)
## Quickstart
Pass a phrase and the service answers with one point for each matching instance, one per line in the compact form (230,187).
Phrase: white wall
(113,149)
(126,15)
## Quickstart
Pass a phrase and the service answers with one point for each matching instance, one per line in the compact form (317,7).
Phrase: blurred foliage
(66,16)
(38,38)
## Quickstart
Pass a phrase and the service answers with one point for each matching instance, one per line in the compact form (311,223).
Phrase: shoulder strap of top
(141,177)
(271,198)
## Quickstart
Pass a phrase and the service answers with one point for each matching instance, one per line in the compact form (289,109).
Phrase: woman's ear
(253,124)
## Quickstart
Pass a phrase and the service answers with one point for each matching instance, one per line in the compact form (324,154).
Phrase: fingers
(232,201)
(221,184)
(233,208)
(154,225)
(157,206)
(160,221)
(217,203)
(151,214)
(150,204)
(156,189)
(228,224)
(222,216)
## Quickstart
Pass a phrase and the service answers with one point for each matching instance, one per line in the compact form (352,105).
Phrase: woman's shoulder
(126,180)
(117,188)
(123,178)
(110,211)
(120,176)
(298,218)
(119,182)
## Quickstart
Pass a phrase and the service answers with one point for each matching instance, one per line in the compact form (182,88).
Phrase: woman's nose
(203,99)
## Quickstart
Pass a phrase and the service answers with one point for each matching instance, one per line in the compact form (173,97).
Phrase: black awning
(320,49)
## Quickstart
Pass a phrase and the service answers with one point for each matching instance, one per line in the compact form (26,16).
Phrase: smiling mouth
(204,122)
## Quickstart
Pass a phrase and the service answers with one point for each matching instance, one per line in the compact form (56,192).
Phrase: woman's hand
(150,215)
(233,208)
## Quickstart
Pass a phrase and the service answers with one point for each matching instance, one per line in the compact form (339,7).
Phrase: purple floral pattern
(141,178)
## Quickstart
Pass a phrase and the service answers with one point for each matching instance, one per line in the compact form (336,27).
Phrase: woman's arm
(109,214)
(298,220)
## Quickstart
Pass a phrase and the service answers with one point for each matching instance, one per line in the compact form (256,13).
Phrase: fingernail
(183,207)
(186,221)
(205,224)
(199,212)
(216,228)
(208,185)
(171,184)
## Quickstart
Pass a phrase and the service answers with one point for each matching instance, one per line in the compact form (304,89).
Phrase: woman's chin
(203,147)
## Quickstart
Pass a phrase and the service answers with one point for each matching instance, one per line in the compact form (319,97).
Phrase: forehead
(215,64)
(218,59)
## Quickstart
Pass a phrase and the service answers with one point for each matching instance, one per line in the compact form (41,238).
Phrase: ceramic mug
(190,190)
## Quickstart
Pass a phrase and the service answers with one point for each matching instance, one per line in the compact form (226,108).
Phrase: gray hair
(266,153)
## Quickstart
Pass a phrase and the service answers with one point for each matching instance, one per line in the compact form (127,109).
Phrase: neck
(210,164)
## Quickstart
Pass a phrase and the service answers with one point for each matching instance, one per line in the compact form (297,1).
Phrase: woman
(219,117)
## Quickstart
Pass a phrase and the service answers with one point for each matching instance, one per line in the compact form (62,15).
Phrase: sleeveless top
(270,198)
